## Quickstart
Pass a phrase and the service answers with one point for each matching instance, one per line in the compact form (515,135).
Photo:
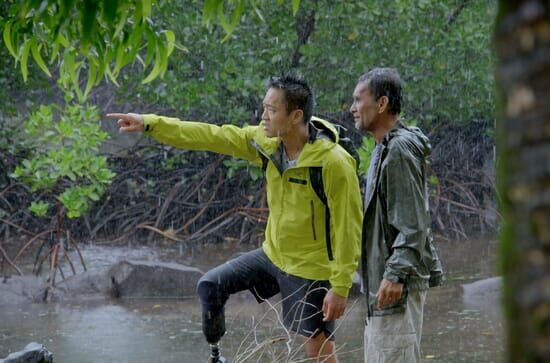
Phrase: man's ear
(297,116)
(383,104)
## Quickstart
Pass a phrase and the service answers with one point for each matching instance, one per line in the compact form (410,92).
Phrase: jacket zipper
(313,220)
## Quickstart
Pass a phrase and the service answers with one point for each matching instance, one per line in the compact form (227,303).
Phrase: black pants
(302,298)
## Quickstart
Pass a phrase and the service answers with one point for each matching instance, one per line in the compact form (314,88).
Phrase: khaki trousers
(395,338)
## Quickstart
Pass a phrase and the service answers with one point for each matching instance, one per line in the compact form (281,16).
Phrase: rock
(86,284)
(20,289)
(152,279)
(33,353)
(126,278)
(483,294)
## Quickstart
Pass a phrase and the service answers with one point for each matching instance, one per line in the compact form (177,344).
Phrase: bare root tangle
(187,196)
(463,199)
(10,262)
(175,198)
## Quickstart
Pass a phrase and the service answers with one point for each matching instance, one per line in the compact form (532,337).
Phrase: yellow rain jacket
(295,238)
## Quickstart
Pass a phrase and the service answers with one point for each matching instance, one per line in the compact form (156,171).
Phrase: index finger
(118,115)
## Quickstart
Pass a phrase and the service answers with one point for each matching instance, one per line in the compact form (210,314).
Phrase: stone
(86,284)
(33,353)
(152,279)
(482,294)
(20,289)
(126,278)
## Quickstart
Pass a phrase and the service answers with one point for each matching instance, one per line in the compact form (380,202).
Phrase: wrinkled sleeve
(226,139)
(406,212)
(345,204)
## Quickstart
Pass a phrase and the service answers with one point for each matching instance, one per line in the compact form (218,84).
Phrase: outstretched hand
(128,122)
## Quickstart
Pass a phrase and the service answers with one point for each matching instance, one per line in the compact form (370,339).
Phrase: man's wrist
(396,279)
(148,122)
(340,291)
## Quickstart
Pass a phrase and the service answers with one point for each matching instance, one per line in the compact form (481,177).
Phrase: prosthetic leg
(213,327)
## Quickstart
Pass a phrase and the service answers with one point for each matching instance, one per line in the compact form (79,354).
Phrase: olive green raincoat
(397,243)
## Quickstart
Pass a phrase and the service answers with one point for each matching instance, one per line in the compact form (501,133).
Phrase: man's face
(365,108)
(277,120)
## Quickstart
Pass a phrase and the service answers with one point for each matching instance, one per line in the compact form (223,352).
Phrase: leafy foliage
(228,13)
(97,37)
(364,152)
(65,158)
(442,50)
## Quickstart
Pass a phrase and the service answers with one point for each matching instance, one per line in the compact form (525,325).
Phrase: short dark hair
(385,82)
(298,94)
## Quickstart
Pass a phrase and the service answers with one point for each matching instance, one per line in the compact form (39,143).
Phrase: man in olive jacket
(310,263)
(399,261)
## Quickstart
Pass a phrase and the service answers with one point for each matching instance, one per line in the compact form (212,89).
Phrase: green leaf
(8,40)
(88,20)
(134,43)
(223,19)
(110,75)
(73,71)
(119,59)
(258,12)
(121,24)
(146,6)
(17,173)
(171,42)
(209,10)
(295,6)
(157,68)
(35,49)
(151,46)
(24,59)
(110,8)
(236,17)
(62,40)
(92,74)
(39,208)
(163,59)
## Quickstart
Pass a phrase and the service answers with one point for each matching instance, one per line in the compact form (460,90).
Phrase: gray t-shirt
(286,162)
(374,162)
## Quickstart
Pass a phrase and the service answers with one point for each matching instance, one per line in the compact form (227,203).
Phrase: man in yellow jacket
(310,252)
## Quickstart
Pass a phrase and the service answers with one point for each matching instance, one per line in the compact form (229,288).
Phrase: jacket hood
(320,128)
(322,137)
(413,137)
(422,140)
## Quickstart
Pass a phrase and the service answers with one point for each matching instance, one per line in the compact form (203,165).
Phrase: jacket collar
(381,148)
(322,137)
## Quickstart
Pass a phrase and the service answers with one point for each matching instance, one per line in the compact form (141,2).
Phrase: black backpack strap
(316,178)
(264,162)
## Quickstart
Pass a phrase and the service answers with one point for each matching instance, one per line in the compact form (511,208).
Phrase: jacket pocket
(313,220)
(297,181)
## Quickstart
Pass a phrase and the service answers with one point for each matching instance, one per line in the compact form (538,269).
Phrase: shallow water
(456,327)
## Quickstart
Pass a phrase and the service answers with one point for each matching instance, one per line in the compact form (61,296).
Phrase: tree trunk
(522,39)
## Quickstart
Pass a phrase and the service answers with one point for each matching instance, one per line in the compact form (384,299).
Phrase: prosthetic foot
(215,356)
